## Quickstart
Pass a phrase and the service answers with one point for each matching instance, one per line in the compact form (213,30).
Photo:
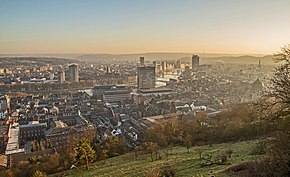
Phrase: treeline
(76,154)
(240,123)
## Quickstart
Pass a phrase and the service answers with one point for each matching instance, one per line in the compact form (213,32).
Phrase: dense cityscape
(163,88)
(44,105)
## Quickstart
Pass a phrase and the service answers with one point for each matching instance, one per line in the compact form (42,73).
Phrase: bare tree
(277,98)
(276,106)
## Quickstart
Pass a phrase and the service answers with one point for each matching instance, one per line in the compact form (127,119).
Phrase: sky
(136,26)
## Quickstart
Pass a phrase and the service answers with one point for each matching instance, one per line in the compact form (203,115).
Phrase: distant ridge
(56,55)
(28,60)
(206,58)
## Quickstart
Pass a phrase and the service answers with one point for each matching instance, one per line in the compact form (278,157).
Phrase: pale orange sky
(69,26)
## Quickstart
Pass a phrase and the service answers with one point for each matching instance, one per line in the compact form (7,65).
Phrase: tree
(84,153)
(136,151)
(152,148)
(114,145)
(34,161)
(276,107)
(23,169)
(188,142)
(277,98)
(200,150)
(39,174)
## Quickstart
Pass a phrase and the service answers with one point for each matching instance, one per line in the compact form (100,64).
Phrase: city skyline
(246,27)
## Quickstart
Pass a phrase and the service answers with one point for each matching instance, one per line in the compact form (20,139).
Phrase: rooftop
(60,124)
(155,90)
(33,124)
(4,130)
(12,145)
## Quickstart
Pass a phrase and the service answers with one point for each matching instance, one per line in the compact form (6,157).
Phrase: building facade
(32,131)
(111,93)
(195,62)
(74,72)
(146,77)
(61,76)
(142,61)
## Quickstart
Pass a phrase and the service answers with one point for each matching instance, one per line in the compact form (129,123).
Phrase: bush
(229,152)
(166,170)
(259,149)
(39,174)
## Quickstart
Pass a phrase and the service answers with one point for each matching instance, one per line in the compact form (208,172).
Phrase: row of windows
(33,127)
(58,138)
(32,135)
(31,131)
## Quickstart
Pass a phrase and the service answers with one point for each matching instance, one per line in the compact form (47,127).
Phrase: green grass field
(184,163)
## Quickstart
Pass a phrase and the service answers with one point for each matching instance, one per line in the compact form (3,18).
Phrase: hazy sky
(133,26)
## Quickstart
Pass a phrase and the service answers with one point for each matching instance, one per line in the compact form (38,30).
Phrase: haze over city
(71,26)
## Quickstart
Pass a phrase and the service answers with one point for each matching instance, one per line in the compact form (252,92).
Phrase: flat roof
(60,124)
(155,90)
(113,92)
(12,145)
(33,124)
(159,117)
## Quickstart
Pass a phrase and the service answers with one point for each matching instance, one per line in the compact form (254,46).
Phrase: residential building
(32,131)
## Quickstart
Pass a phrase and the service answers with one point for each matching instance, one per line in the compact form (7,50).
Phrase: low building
(118,95)
(32,131)
(99,90)
(112,93)
(144,94)
(60,136)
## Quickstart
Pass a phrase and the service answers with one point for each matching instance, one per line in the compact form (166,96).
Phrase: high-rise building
(61,76)
(108,69)
(142,61)
(195,62)
(74,72)
(146,77)
(154,63)
(163,68)
(51,76)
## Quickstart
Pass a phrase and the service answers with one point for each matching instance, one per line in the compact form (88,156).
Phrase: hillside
(245,59)
(205,58)
(184,163)
(11,62)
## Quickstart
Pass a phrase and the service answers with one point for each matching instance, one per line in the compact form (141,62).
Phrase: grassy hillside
(184,163)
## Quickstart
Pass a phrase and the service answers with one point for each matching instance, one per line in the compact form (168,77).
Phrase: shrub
(259,149)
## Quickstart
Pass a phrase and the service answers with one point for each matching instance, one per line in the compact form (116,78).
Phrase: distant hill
(28,61)
(56,55)
(204,58)
(148,56)
(246,59)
